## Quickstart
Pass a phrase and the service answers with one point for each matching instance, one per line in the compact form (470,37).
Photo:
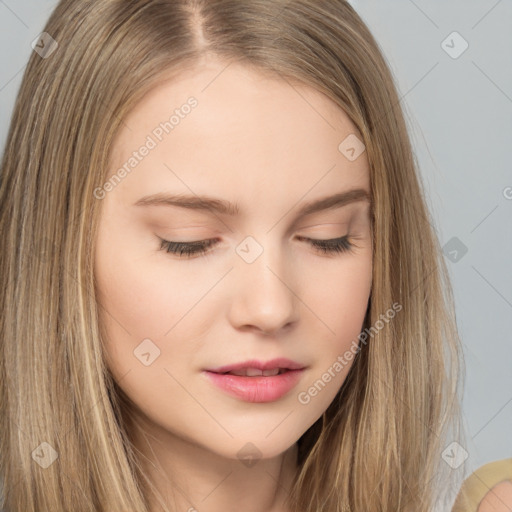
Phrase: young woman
(221,288)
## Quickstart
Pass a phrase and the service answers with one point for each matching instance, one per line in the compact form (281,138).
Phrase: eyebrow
(221,206)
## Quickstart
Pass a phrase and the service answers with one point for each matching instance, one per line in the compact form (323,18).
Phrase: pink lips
(259,388)
(280,362)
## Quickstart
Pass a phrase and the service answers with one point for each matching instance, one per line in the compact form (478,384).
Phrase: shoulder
(487,489)
(498,499)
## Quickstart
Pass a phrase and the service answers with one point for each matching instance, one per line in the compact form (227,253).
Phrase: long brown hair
(379,445)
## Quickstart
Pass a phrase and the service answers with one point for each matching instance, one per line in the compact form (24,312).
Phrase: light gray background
(459,112)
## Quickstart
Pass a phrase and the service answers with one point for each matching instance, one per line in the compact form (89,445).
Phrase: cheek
(341,299)
(144,313)
(145,302)
(138,297)
(140,291)
(339,303)
(138,303)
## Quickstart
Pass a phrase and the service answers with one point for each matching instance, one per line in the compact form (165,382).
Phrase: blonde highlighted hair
(378,446)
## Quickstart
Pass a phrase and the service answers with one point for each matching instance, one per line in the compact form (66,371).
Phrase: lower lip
(257,389)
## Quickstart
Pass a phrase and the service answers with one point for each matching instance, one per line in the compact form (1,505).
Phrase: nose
(264,299)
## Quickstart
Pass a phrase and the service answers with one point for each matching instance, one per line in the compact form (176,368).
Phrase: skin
(498,499)
(270,147)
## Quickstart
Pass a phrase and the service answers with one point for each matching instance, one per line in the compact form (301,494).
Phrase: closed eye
(201,247)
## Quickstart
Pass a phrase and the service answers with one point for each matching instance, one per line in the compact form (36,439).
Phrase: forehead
(248,131)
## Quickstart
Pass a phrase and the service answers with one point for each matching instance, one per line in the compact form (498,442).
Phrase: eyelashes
(187,248)
(332,246)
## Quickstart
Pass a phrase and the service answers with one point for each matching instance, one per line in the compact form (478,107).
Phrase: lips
(258,368)
(255,372)
(257,381)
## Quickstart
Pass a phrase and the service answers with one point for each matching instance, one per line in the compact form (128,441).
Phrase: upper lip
(280,362)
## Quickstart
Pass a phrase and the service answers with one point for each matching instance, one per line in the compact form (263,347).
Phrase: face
(267,287)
